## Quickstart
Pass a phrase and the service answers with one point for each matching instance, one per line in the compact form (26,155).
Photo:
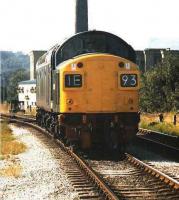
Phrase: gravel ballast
(43,166)
(168,167)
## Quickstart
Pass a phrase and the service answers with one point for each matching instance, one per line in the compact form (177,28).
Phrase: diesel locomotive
(88,91)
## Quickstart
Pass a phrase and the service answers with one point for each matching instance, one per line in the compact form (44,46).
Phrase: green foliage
(160,86)
(15,77)
(11,63)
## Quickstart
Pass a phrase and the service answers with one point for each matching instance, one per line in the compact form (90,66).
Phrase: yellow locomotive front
(99,83)
(99,95)
(87,91)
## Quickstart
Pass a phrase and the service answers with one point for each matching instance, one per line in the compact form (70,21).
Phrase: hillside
(11,61)
(12,66)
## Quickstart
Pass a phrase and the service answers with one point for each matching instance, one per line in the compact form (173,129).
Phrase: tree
(160,86)
(12,87)
(10,63)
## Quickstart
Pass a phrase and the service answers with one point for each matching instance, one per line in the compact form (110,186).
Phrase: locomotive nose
(101,86)
(97,84)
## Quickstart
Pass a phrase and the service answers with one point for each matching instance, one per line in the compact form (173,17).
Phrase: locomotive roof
(89,42)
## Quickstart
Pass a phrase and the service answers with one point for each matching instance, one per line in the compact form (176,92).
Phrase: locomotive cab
(90,88)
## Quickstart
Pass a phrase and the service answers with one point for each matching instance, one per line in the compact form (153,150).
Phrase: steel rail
(157,142)
(95,178)
(105,190)
(12,116)
(109,194)
(154,172)
(144,134)
(145,131)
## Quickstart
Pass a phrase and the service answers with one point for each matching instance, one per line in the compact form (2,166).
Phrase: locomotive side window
(128,80)
(73,80)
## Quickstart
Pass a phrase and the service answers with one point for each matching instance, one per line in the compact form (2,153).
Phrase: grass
(8,143)
(4,108)
(10,146)
(13,148)
(151,121)
(12,170)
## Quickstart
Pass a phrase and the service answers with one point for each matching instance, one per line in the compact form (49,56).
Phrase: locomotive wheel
(115,143)
(48,123)
(71,136)
(61,132)
(55,134)
(85,139)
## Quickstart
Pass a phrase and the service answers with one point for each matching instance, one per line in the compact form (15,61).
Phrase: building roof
(37,51)
(28,82)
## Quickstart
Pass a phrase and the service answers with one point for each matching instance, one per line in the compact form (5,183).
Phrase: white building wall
(27,96)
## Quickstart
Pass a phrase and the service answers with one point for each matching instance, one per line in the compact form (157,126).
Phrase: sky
(39,24)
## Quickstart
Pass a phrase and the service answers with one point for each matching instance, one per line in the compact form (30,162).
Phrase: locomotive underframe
(92,129)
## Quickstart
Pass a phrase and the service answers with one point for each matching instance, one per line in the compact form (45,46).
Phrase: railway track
(91,181)
(169,168)
(85,181)
(161,143)
(169,141)
(134,179)
(13,116)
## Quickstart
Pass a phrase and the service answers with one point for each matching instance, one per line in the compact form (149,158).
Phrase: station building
(27,89)
(27,95)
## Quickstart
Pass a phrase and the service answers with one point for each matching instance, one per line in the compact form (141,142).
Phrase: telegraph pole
(81,16)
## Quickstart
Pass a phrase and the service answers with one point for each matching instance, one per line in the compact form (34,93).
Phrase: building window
(32,90)
(27,97)
(20,90)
